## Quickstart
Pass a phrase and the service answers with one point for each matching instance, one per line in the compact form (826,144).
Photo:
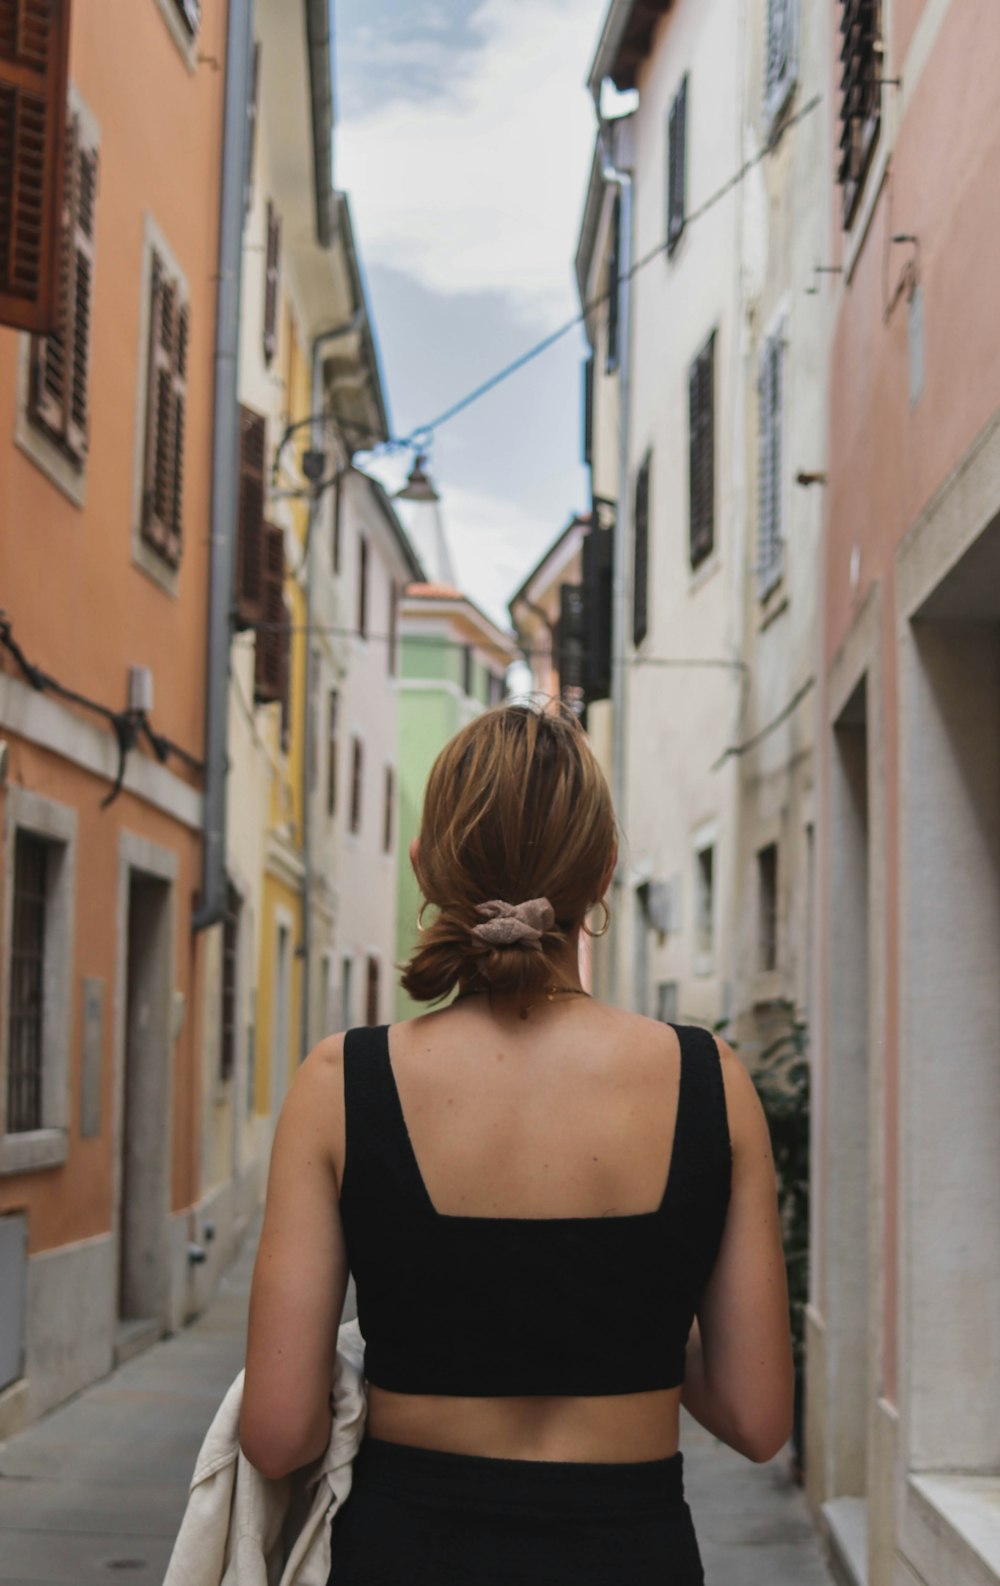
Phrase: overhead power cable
(423,432)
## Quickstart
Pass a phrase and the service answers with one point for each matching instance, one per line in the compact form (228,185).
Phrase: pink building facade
(903,1437)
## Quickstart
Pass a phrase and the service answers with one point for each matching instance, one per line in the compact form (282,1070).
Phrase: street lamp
(419,486)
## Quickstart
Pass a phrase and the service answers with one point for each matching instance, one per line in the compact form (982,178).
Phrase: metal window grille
(706,899)
(860,95)
(677,167)
(701,388)
(640,554)
(571,645)
(27,983)
(769,464)
(230,969)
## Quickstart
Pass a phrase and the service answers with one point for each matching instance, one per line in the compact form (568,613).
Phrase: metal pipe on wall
(225,464)
(621,179)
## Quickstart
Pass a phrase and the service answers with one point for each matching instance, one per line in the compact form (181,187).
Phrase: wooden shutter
(588,410)
(614,285)
(59,396)
(769,538)
(166,391)
(571,639)
(597,590)
(271,282)
(357,773)
(250,572)
(34,52)
(677,167)
(372,998)
(701,386)
(333,717)
(362,587)
(190,14)
(272,637)
(640,555)
(861,95)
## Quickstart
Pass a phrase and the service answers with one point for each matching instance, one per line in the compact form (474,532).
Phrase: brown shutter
(272,636)
(271,282)
(166,390)
(34,52)
(701,383)
(50,354)
(250,527)
(77,418)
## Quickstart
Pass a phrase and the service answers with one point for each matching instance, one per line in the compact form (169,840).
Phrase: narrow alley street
(95,1491)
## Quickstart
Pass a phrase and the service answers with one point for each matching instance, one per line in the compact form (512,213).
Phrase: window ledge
(704,571)
(965,1516)
(33,1151)
(772,603)
(148,562)
(847,1530)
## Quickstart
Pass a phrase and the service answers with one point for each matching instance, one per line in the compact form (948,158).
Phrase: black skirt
(416,1517)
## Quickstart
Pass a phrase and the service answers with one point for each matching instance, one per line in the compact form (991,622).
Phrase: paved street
(95,1491)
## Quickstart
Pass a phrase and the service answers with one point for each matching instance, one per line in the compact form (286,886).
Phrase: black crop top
(484,1306)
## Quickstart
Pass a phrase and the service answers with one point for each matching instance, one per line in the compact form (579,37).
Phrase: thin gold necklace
(551,992)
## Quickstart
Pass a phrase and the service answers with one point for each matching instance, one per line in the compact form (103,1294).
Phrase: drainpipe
(225,465)
(621,179)
(319,344)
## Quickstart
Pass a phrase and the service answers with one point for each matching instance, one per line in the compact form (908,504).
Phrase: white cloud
(477,187)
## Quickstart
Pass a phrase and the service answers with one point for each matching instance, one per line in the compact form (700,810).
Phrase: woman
(561,1219)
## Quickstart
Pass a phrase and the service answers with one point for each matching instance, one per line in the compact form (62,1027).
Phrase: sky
(464,138)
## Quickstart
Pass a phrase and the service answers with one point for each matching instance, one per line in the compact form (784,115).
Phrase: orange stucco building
(904,1342)
(106,444)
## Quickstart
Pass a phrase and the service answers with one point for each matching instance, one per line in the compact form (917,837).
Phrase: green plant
(781,1077)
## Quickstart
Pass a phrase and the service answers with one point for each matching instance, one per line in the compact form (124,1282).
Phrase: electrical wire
(751,743)
(128,726)
(422,434)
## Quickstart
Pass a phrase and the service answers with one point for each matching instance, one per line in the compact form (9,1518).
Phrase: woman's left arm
(299,1279)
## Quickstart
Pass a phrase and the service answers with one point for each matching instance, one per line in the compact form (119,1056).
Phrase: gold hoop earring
(420,916)
(607,921)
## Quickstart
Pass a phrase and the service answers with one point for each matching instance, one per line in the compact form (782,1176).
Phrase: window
(701,392)
(250,569)
(389,812)
(861,95)
(333,712)
(769,464)
(27,984)
(58,400)
(640,554)
(33,66)
(357,783)
(677,166)
(166,374)
(393,639)
(597,578)
(230,977)
(271,282)
(667,1001)
(614,285)
(781,66)
(346,993)
(362,587)
(570,640)
(498,688)
(273,636)
(467,670)
(372,991)
(588,410)
(189,12)
(705,901)
(767,903)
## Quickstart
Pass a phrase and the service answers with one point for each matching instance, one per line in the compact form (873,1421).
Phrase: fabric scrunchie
(506,924)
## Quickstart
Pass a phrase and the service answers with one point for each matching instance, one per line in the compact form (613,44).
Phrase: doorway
(143,1193)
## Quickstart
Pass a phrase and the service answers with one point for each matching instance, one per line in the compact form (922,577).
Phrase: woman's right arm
(738,1372)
